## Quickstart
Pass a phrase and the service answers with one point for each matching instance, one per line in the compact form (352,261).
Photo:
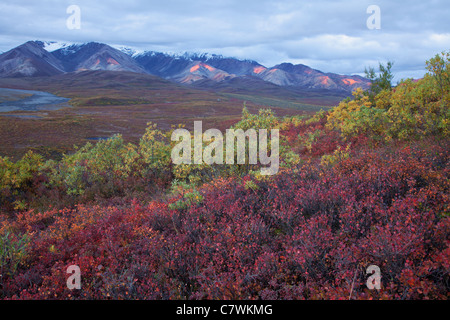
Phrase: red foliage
(308,235)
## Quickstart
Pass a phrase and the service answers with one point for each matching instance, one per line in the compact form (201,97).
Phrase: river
(30,100)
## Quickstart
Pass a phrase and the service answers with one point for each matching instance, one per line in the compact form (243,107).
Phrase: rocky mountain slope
(37,58)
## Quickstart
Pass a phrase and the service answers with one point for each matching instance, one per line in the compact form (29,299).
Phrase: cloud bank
(331,36)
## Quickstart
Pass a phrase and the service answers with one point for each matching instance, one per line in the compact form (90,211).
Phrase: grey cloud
(329,35)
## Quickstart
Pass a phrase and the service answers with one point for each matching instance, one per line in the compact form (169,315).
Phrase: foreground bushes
(113,168)
(307,234)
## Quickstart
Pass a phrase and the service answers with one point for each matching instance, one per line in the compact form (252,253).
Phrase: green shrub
(13,252)
(413,109)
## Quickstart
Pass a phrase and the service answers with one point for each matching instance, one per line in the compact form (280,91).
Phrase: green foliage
(16,178)
(316,117)
(187,200)
(250,185)
(295,120)
(196,174)
(265,119)
(380,82)
(413,109)
(154,148)
(357,116)
(6,172)
(289,158)
(310,138)
(18,175)
(95,164)
(416,110)
(439,67)
(329,160)
(13,252)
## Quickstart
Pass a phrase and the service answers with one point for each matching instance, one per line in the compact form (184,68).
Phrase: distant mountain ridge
(38,58)
(29,59)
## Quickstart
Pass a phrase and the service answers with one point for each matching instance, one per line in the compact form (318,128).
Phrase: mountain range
(38,58)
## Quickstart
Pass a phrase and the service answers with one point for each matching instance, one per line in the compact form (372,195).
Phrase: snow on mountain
(96,56)
(29,59)
(130,51)
(51,46)
(53,57)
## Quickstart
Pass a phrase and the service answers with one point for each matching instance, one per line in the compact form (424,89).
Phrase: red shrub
(304,235)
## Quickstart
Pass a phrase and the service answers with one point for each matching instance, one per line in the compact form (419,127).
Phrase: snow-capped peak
(132,52)
(51,46)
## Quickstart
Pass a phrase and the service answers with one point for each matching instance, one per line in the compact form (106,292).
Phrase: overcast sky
(328,35)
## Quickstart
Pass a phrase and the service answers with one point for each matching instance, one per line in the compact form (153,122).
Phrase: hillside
(29,59)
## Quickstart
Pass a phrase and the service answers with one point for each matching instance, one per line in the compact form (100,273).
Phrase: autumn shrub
(16,180)
(411,110)
(305,234)
(13,252)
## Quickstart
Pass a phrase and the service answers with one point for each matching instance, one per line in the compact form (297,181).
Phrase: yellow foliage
(338,155)
(412,109)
